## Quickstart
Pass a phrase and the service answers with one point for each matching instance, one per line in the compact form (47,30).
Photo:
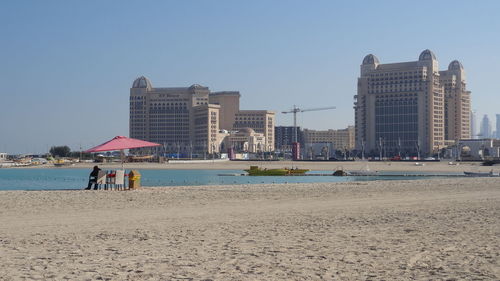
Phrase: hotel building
(192,119)
(410,107)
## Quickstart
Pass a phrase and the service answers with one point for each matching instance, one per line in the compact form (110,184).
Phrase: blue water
(45,179)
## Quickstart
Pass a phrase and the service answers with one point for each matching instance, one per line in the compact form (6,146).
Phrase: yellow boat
(298,171)
(256,171)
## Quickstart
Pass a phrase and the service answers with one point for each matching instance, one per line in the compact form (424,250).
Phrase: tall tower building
(456,102)
(180,119)
(485,127)
(498,126)
(410,107)
(399,107)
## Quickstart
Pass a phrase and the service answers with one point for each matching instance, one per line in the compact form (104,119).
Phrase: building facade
(400,107)
(171,116)
(229,102)
(261,121)
(206,128)
(246,140)
(343,139)
(284,136)
(187,120)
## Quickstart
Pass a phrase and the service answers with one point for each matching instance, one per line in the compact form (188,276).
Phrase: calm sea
(44,179)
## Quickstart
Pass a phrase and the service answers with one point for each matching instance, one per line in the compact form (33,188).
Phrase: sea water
(61,178)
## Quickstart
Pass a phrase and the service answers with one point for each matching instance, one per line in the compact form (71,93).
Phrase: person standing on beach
(93,177)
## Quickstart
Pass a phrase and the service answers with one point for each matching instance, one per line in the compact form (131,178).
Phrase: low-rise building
(479,149)
(246,140)
(3,156)
(261,121)
(343,139)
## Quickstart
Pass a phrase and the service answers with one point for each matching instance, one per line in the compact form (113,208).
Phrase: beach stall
(114,179)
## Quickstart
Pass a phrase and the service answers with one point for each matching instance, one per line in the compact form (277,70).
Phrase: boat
(362,173)
(256,171)
(340,173)
(298,171)
(62,163)
(481,174)
(229,175)
(365,172)
(491,162)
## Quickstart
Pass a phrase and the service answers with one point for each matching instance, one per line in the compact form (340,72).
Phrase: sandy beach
(440,229)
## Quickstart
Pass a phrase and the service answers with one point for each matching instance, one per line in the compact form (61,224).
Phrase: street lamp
(380,148)
(362,149)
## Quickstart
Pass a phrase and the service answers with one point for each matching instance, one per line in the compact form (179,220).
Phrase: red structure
(230,153)
(296,151)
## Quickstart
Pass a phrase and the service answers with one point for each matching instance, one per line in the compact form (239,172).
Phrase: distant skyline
(67,67)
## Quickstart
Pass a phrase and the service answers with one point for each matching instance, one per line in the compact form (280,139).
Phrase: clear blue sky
(66,66)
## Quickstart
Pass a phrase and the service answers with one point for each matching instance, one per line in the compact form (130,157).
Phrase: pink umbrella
(121,143)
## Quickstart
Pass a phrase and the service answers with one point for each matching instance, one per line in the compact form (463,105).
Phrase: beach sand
(439,229)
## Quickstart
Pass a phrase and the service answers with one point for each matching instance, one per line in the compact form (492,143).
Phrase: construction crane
(296,110)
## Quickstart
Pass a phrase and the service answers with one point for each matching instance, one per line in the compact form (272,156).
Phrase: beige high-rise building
(341,139)
(189,120)
(400,107)
(457,106)
(178,118)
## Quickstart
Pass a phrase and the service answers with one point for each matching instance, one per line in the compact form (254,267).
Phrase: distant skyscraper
(485,127)
(410,106)
(498,126)
(473,124)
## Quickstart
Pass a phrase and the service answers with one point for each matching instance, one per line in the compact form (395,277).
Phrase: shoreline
(409,166)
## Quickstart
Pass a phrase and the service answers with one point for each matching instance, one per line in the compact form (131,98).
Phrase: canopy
(121,143)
